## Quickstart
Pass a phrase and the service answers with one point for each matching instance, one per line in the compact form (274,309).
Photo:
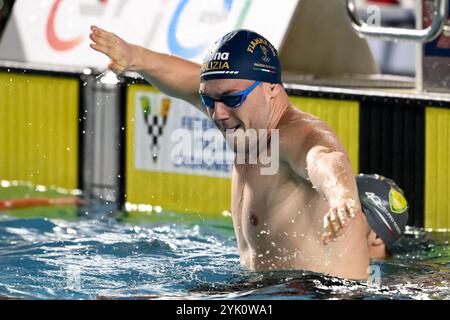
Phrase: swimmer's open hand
(337,219)
(121,53)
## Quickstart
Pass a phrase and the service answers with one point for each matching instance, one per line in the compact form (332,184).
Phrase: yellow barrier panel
(341,116)
(437,168)
(175,192)
(39,130)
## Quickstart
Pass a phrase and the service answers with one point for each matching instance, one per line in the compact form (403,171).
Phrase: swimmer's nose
(221,112)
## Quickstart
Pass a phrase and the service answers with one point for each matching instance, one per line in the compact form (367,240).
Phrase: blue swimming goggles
(234,100)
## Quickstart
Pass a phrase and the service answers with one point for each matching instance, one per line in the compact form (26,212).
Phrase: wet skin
(281,221)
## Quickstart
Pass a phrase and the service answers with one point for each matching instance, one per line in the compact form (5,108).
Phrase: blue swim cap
(384,206)
(242,54)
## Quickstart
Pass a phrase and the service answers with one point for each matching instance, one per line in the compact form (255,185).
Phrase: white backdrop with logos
(57,31)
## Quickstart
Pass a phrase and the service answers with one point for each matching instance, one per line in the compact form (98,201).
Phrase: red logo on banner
(55,42)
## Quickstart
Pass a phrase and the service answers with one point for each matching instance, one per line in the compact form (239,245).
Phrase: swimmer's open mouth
(232,130)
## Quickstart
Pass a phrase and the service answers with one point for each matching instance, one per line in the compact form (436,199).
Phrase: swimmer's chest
(260,198)
(276,209)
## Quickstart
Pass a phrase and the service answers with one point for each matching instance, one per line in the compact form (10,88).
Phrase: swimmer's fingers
(337,220)
(119,51)
(113,54)
(342,217)
(116,68)
(351,209)
(101,49)
(327,237)
(100,41)
(101,33)
(330,225)
(106,39)
(335,223)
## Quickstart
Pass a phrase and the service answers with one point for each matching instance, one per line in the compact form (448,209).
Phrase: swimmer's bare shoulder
(299,132)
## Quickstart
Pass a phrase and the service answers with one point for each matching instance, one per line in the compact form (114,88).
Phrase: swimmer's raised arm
(321,159)
(330,173)
(172,75)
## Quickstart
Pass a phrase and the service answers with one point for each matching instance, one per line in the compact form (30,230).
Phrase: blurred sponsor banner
(172,136)
(57,31)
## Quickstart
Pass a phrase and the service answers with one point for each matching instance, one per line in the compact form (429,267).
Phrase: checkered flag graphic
(155,130)
(155,120)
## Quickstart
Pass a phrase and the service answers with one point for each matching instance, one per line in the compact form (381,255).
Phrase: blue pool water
(101,257)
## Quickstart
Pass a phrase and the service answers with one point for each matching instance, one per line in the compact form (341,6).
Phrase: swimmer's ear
(377,241)
(274,89)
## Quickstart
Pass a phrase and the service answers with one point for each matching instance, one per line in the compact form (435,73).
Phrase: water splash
(102,258)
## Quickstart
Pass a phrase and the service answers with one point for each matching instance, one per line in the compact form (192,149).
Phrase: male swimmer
(386,210)
(283,221)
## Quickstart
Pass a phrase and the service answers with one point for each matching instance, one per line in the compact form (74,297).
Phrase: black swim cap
(384,205)
(242,54)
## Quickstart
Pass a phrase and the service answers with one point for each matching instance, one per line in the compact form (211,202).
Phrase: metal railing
(447,30)
(437,26)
